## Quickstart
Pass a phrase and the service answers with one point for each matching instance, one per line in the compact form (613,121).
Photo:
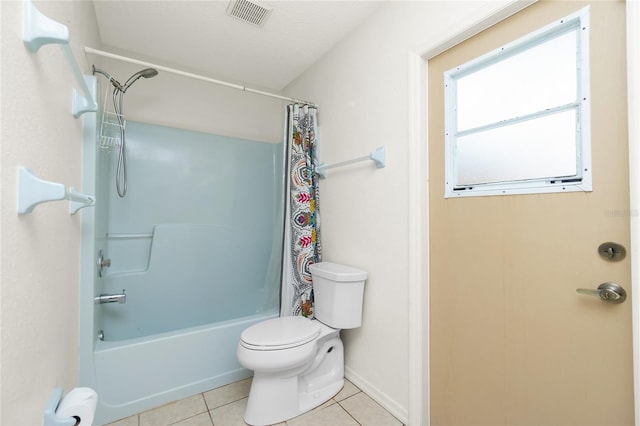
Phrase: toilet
(298,363)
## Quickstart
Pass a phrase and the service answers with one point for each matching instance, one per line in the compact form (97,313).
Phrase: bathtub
(181,363)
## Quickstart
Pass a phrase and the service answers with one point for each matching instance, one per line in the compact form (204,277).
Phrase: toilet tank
(338,292)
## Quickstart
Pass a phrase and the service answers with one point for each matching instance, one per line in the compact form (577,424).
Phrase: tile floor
(224,406)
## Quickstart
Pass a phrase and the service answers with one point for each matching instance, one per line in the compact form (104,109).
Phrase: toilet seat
(280,333)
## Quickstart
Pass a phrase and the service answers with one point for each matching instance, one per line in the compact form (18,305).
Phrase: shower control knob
(102,263)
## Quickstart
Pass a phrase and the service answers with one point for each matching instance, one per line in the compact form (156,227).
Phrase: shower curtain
(302,220)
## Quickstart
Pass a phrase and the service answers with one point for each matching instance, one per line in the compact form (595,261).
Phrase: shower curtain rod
(194,76)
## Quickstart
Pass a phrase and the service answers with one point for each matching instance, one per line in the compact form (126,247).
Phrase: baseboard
(388,403)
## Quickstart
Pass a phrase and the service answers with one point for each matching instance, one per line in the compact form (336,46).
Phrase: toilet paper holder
(50,417)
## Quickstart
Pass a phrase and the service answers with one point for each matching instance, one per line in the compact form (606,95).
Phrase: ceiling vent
(248,11)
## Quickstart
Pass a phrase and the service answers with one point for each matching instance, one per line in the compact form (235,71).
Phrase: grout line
(185,418)
(345,398)
(347,411)
(190,417)
(351,396)
(210,416)
(387,411)
(230,402)
(335,401)
(205,402)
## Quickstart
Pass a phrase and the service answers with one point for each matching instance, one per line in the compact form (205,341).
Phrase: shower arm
(113,81)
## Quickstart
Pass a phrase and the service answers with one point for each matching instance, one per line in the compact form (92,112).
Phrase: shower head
(146,73)
(118,95)
(149,72)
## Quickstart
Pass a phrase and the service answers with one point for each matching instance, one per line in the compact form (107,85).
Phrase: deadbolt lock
(612,252)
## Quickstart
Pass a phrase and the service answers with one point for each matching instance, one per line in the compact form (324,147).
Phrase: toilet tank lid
(336,272)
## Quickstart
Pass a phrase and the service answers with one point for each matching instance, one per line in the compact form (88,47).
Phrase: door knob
(609,292)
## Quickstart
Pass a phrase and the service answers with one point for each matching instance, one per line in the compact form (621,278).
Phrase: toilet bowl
(298,363)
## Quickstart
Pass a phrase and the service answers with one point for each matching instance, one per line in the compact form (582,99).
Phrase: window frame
(582,180)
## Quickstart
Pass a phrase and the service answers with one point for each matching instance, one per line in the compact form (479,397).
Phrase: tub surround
(195,246)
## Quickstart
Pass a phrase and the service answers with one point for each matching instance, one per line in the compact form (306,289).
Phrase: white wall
(361,87)
(40,251)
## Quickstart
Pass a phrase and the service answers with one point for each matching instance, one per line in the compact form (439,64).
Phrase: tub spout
(111,298)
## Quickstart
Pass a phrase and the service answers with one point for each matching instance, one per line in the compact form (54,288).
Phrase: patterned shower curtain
(302,220)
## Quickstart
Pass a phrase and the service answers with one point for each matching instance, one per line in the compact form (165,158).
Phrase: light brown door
(512,343)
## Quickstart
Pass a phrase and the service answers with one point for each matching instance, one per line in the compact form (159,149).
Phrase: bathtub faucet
(111,298)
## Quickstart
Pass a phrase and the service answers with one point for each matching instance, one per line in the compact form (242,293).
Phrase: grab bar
(38,30)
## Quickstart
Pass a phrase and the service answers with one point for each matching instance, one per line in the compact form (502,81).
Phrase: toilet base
(274,398)
(275,404)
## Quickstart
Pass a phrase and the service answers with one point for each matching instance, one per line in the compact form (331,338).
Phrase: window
(517,118)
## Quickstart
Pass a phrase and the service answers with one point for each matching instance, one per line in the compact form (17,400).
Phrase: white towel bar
(378,156)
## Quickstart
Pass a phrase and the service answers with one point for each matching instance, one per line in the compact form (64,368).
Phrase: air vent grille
(247,11)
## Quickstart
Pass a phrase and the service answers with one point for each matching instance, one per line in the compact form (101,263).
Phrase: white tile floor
(225,407)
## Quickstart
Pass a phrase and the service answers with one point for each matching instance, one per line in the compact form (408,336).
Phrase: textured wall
(40,251)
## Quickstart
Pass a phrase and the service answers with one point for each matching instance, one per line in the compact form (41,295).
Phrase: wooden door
(512,342)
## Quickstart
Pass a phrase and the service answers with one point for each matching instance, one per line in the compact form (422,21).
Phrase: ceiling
(199,36)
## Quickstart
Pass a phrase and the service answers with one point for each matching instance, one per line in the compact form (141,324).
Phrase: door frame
(633,111)
(418,69)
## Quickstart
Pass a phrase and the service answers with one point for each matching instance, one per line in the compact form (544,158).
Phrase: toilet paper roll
(79,403)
